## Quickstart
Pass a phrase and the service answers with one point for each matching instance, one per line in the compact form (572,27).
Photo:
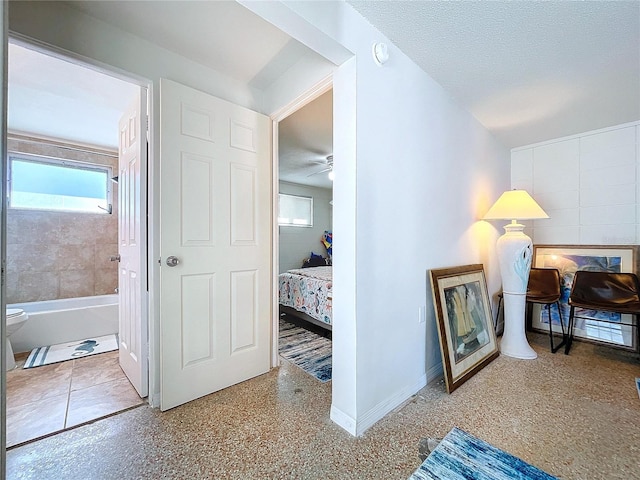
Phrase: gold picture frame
(465,324)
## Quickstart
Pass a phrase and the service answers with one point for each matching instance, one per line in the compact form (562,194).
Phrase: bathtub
(59,321)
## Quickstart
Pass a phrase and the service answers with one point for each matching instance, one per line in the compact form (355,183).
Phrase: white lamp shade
(515,204)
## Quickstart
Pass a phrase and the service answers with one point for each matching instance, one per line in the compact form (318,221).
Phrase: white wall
(297,243)
(414,172)
(587,183)
(295,82)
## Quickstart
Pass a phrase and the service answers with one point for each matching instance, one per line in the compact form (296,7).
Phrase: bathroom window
(295,211)
(43,183)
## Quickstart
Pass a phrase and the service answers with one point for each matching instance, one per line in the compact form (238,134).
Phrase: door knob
(172,261)
(115,258)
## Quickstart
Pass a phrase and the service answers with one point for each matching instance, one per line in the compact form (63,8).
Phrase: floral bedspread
(308,290)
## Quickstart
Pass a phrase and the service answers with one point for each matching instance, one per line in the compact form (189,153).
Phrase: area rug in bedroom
(71,350)
(309,351)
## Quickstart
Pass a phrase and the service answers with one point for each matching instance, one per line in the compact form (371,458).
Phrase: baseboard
(370,418)
(378,412)
(343,420)
(154,400)
(358,427)
(435,372)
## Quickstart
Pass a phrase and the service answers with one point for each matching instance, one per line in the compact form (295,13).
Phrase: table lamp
(514,255)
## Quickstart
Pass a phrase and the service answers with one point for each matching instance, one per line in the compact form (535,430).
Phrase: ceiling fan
(328,162)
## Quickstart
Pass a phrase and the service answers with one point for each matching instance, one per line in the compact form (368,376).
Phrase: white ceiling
(49,97)
(305,139)
(529,71)
(222,35)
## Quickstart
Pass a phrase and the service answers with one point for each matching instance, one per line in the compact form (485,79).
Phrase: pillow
(314,261)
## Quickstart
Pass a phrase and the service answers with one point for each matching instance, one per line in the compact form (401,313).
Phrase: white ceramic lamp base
(514,340)
(514,254)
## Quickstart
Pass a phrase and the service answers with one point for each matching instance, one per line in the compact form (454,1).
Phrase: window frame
(302,197)
(74,164)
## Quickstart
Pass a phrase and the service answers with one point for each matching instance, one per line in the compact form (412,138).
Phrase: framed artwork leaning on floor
(465,327)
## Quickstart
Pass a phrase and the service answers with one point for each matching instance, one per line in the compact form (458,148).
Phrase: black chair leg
(569,331)
(495,325)
(564,335)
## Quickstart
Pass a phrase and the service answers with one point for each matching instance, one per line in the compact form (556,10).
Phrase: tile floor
(575,416)
(50,398)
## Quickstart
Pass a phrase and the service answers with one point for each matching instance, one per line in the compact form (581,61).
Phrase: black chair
(543,288)
(605,292)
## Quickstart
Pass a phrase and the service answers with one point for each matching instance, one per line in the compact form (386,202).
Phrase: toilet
(15,319)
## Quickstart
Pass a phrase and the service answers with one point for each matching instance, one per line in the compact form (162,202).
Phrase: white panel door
(215,207)
(132,241)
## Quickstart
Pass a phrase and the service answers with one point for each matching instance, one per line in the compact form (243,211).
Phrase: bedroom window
(295,211)
(43,183)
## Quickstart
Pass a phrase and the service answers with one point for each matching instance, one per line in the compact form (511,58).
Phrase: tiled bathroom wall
(53,255)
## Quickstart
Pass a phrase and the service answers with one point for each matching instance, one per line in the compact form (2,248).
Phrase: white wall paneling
(522,170)
(587,183)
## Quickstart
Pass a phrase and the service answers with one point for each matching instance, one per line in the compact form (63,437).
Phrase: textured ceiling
(528,71)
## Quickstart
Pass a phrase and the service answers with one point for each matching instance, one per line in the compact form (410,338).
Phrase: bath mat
(71,350)
(307,350)
(460,455)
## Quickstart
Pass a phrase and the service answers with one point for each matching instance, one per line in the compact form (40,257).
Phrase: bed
(307,293)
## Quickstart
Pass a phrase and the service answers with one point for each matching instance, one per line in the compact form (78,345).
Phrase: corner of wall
(343,420)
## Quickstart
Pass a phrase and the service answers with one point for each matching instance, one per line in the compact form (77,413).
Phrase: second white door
(132,244)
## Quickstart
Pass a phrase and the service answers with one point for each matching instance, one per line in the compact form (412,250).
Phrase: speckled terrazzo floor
(576,417)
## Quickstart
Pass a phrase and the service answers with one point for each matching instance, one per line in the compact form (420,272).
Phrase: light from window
(51,184)
(295,211)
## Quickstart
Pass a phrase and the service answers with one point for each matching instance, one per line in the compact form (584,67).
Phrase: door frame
(315,91)
(4,74)
(148,204)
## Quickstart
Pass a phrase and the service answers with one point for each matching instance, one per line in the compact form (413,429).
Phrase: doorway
(62,238)
(303,162)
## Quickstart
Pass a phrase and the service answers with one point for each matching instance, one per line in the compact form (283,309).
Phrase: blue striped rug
(307,350)
(71,350)
(461,456)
